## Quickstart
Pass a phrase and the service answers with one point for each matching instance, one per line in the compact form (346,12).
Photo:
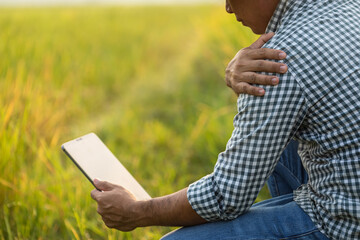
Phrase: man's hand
(240,72)
(117,207)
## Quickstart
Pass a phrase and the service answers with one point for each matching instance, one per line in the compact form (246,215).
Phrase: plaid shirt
(318,103)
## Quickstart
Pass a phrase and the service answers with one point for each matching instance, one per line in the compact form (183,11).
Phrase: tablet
(95,160)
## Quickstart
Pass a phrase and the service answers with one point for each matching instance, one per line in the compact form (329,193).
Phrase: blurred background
(148,79)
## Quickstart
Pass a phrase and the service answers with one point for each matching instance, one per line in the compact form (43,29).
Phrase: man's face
(255,14)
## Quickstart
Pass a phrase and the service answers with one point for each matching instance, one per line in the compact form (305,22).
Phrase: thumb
(262,40)
(103,185)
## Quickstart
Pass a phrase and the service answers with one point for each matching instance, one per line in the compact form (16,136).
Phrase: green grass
(147,80)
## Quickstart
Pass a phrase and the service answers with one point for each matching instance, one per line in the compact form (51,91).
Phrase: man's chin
(257,30)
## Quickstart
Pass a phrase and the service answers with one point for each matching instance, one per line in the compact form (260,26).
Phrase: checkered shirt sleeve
(262,129)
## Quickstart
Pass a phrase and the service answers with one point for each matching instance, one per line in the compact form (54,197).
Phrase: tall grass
(147,80)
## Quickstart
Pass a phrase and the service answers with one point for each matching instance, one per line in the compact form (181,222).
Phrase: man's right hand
(241,71)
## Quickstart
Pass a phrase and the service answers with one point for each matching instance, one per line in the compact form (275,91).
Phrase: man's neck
(277,16)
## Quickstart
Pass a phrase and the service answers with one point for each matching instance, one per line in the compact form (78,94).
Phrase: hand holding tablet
(96,161)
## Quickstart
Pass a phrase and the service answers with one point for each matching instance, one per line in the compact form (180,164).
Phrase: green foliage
(147,80)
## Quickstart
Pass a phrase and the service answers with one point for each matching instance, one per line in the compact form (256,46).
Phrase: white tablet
(95,160)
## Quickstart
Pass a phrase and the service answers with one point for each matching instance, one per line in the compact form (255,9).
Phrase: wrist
(144,213)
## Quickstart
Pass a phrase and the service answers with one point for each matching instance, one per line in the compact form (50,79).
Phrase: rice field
(147,80)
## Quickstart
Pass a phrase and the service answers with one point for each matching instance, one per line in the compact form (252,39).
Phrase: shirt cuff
(202,198)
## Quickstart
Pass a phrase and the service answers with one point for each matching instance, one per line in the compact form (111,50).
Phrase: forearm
(170,210)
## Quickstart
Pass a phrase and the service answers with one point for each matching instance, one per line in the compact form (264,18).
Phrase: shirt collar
(275,20)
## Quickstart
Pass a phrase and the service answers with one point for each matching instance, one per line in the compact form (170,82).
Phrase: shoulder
(304,25)
(322,42)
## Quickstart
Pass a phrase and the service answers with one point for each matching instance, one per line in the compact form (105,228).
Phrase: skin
(120,210)
(118,207)
(241,71)
(255,14)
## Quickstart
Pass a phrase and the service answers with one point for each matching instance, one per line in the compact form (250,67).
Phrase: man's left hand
(117,206)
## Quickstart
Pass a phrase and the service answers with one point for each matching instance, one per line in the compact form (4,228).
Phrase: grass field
(147,80)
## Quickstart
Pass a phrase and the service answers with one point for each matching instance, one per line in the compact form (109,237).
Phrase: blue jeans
(276,218)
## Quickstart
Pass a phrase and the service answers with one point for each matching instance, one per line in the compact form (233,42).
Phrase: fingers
(265,66)
(241,71)
(116,223)
(260,79)
(265,53)
(262,40)
(242,83)
(246,88)
(103,185)
(95,194)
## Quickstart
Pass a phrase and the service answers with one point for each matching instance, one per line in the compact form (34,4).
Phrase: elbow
(232,202)
(233,210)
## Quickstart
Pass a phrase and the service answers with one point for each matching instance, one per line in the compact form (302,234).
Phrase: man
(317,102)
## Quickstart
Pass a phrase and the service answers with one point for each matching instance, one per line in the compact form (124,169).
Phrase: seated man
(317,102)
